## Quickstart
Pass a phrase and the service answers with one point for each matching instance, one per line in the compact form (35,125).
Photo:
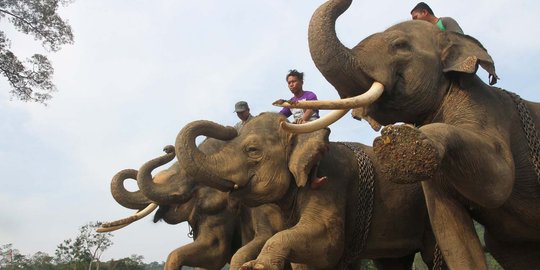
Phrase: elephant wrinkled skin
(221,227)
(471,134)
(264,164)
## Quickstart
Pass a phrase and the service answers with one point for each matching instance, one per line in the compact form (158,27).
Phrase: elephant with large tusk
(331,226)
(476,146)
(224,230)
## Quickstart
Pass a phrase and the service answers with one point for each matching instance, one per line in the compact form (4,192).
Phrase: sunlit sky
(140,70)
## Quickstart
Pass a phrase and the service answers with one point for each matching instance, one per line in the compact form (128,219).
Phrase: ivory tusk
(121,223)
(363,100)
(315,125)
(110,229)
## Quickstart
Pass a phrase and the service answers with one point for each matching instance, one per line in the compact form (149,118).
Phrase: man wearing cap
(241,109)
(423,12)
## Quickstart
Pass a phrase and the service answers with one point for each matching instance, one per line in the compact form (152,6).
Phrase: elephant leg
(453,229)
(248,252)
(197,254)
(402,263)
(311,242)
(513,256)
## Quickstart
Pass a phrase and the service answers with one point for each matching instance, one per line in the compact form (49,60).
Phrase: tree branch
(44,36)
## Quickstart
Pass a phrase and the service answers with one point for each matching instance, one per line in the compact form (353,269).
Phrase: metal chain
(438,260)
(364,203)
(530,131)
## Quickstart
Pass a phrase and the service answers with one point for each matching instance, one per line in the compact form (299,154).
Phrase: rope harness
(364,207)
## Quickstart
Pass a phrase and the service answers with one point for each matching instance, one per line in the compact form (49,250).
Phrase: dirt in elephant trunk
(416,159)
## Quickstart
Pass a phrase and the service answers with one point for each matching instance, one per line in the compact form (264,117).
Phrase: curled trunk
(167,187)
(128,199)
(209,168)
(335,61)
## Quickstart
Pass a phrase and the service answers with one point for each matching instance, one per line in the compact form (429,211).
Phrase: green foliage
(367,265)
(154,266)
(133,262)
(31,80)
(86,248)
(12,258)
(42,261)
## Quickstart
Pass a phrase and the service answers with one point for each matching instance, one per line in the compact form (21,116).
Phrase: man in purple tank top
(295,81)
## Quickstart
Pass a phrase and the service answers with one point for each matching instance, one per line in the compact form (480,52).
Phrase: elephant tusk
(121,223)
(110,229)
(315,125)
(363,100)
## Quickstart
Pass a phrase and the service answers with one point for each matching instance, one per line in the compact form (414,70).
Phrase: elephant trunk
(211,169)
(128,199)
(168,186)
(335,61)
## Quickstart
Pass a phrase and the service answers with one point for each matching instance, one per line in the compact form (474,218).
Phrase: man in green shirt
(423,12)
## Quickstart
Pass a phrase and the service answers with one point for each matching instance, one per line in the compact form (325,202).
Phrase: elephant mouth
(240,190)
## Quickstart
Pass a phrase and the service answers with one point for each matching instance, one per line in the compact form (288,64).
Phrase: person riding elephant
(356,215)
(224,230)
(475,147)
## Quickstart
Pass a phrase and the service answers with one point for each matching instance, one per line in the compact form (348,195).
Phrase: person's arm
(307,115)
(451,25)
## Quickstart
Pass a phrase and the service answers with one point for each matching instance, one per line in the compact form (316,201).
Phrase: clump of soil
(405,154)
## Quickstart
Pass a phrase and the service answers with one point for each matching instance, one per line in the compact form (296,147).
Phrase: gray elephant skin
(221,227)
(474,151)
(264,164)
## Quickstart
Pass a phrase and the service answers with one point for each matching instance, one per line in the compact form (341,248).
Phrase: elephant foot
(405,154)
(258,265)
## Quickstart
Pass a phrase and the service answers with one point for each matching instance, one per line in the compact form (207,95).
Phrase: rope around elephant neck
(364,207)
(530,131)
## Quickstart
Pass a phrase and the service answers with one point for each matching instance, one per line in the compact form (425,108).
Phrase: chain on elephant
(364,203)
(530,131)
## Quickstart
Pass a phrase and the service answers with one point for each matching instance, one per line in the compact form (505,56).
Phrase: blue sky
(138,72)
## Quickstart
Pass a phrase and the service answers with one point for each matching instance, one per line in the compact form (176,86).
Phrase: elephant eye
(400,44)
(252,151)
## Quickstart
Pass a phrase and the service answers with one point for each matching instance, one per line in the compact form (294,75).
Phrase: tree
(32,80)
(11,258)
(85,249)
(133,262)
(41,261)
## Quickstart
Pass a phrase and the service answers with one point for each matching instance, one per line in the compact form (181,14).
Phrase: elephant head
(414,61)
(173,188)
(259,164)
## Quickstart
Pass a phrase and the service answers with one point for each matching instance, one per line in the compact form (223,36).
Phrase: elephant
(221,227)
(327,225)
(473,147)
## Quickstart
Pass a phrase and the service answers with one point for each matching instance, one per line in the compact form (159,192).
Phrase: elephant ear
(308,149)
(462,53)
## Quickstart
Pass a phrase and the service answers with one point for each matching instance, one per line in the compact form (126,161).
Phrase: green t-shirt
(441,25)
(448,24)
